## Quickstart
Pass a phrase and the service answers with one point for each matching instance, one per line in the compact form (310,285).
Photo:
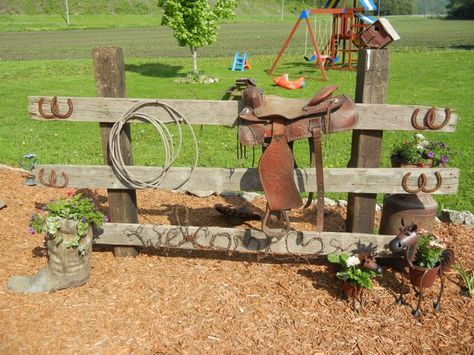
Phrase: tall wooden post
(109,72)
(371,87)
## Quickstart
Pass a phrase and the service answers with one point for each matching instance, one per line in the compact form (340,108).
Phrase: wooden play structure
(338,49)
(363,179)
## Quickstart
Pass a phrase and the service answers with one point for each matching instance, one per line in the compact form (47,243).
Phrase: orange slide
(285,83)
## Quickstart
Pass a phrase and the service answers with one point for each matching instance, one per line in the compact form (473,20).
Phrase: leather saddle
(274,122)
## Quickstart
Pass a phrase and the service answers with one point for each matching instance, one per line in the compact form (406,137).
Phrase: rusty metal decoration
(422,180)
(40,109)
(52,179)
(54,109)
(430,117)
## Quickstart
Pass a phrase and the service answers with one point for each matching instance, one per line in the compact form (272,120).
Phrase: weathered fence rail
(362,180)
(225,113)
(245,241)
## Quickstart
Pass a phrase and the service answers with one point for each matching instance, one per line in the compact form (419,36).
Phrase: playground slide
(368,20)
(368,5)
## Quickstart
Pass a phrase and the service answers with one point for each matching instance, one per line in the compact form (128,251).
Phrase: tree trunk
(194,54)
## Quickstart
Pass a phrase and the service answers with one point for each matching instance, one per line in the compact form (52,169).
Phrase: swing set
(336,35)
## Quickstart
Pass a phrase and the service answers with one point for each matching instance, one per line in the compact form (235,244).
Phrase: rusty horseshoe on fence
(54,109)
(52,179)
(40,109)
(422,180)
(430,117)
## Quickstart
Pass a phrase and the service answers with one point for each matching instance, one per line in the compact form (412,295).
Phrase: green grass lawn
(31,63)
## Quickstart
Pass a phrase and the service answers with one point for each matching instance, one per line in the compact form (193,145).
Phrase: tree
(431,7)
(397,7)
(461,9)
(194,22)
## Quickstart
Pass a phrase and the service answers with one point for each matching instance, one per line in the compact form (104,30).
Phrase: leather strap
(318,163)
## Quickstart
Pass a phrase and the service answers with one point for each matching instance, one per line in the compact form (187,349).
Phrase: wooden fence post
(109,72)
(371,87)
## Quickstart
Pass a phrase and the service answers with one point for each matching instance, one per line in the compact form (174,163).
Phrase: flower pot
(421,277)
(351,290)
(66,266)
(397,163)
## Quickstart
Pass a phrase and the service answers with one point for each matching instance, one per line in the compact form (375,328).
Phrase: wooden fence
(363,180)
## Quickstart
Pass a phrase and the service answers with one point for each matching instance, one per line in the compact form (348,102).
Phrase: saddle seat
(290,109)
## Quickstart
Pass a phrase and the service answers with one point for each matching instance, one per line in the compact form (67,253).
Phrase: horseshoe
(55,108)
(41,111)
(431,116)
(422,180)
(52,179)
(439,182)
(428,121)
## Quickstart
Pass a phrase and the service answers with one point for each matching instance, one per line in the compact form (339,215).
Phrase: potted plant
(67,224)
(356,273)
(429,257)
(420,152)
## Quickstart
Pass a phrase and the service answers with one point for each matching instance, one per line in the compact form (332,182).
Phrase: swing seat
(323,58)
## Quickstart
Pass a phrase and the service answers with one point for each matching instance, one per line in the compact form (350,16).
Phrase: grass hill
(139,7)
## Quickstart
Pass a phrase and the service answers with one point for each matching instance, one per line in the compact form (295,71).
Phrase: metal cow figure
(406,243)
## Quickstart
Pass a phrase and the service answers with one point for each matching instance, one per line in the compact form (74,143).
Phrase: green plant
(195,23)
(352,270)
(420,151)
(466,277)
(430,250)
(74,207)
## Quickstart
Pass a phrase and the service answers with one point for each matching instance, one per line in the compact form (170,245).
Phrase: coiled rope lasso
(152,180)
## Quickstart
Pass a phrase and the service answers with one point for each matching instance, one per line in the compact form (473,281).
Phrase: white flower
(352,261)
(436,244)
(419,136)
(425,143)
(420,147)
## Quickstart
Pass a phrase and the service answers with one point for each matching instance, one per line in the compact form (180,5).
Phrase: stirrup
(275,233)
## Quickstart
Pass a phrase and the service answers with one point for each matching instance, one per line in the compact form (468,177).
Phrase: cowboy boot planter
(69,262)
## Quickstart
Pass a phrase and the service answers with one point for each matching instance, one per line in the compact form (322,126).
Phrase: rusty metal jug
(419,209)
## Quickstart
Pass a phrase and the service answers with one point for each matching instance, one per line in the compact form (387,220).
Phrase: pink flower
(31,230)
(70,192)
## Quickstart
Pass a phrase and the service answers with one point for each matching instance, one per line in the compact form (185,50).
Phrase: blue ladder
(239,61)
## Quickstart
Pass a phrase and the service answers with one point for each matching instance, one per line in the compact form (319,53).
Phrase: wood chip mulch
(197,303)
